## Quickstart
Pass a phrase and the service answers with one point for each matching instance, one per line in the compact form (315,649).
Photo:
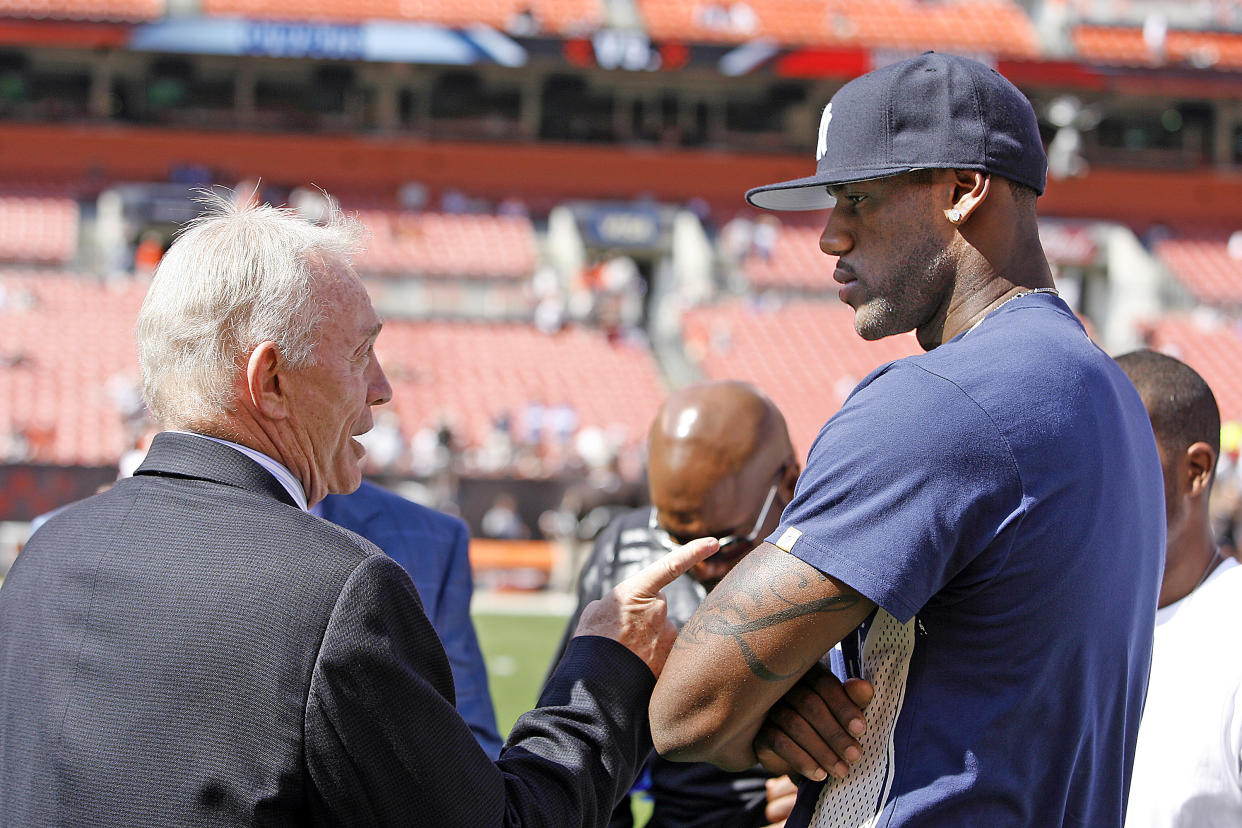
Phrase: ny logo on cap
(822,146)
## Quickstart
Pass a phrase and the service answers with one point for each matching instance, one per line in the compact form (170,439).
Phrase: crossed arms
(738,657)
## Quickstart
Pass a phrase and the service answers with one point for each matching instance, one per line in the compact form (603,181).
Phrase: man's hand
(634,613)
(811,731)
(782,793)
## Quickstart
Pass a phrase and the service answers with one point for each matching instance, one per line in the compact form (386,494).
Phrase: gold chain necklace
(1017,295)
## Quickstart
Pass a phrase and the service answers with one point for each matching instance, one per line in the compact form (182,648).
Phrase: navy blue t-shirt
(1000,499)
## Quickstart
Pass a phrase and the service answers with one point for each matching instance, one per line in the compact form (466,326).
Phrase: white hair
(238,275)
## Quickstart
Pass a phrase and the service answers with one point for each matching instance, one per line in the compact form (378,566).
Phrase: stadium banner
(622,226)
(388,42)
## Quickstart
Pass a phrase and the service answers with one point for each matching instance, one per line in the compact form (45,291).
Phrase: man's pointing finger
(659,574)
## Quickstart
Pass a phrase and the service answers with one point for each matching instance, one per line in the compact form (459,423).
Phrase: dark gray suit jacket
(190,648)
(433,549)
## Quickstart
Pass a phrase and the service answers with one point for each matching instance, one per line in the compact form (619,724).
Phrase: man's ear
(264,381)
(970,188)
(1200,464)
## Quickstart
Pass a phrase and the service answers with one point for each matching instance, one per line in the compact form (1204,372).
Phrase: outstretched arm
(758,632)
(379,724)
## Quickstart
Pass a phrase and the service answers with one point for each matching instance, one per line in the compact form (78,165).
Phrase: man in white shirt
(1188,764)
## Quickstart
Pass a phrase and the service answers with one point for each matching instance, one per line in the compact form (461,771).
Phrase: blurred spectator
(424,452)
(532,423)
(412,195)
(385,444)
(311,204)
(148,253)
(523,22)
(767,233)
(549,303)
(550,314)
(562,424)
(1155,35)
(433,457)
(1234,245)
(513,206)
(735,18)
(736,237)
(501,520)
(454,201)
(496,453)
(700,208)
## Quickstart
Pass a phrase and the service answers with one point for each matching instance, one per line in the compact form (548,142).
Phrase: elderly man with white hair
(193,648)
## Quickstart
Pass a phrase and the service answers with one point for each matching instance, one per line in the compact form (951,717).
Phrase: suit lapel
(190,456)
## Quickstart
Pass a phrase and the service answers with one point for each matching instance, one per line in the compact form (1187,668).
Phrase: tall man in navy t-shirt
(985,535)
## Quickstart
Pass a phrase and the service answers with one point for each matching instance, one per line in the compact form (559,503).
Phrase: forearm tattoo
(745,608)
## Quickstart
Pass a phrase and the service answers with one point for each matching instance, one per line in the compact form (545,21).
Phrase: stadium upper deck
(593,98)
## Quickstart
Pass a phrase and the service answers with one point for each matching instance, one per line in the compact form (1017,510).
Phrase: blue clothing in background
(1000,499)
(433,548)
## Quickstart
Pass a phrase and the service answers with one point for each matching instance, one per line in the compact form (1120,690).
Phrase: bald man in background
(720,464)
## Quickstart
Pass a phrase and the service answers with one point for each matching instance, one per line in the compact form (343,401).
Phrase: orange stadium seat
(118,10)
(1205,266)
(553,16)
(1125,46)
(995,26)
(992,26)
(805,355)
(473,372)
(448,245)
(67,394)
(1212,346)
(34,229)
(796,262)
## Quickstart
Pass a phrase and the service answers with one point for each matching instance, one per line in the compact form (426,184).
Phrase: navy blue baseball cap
(933,111)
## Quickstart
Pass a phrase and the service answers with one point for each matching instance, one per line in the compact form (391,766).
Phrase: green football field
(518,650)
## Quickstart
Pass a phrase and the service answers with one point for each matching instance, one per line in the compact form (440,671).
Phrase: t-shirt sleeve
(904,487)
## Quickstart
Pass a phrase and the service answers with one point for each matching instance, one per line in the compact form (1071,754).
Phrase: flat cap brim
(811,192)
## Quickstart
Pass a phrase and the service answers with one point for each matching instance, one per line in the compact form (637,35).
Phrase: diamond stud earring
(955,216)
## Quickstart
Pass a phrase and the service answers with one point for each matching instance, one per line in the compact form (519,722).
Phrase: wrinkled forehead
(342,297)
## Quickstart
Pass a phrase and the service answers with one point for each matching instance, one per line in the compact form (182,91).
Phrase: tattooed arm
(754,636)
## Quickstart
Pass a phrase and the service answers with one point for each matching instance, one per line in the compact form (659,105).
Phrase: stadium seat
(804,354)
(795,261)
(67,394)
(994,26)
(444,245)
(34,229)
(94,10)
(1212,345)
(1125,45)
(471,373)
(1206,265)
